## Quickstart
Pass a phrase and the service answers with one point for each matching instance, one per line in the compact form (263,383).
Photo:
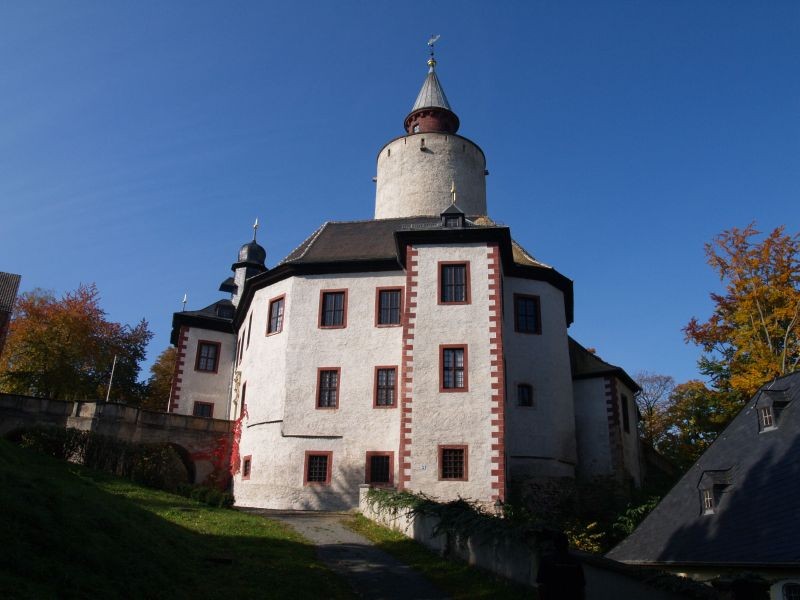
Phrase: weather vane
(431,42)
(255,229)
(185,297)
(453,191)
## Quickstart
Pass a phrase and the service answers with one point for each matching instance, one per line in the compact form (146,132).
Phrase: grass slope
(454,577)
(69,532)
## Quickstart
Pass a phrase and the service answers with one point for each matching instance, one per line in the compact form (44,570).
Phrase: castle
(423,349)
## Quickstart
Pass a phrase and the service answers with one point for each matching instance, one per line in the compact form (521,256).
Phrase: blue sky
(139,140)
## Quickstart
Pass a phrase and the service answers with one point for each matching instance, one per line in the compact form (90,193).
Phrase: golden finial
(431,42)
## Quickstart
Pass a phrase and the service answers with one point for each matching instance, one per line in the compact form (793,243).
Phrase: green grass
(455,577)
(69,532)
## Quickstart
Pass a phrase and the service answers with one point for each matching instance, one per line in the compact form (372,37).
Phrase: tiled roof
(374,239)
(756,520)
(9,285)
(587,364)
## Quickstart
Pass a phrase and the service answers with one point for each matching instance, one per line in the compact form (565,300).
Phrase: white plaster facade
(416,172)
(276,374)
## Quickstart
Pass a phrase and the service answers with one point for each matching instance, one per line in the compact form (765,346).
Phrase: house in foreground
(422,349)
(737,509)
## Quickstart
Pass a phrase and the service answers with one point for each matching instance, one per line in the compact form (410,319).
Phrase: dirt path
(372,573)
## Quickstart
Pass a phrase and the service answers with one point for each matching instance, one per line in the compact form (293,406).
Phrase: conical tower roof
(431,111)
(431,95)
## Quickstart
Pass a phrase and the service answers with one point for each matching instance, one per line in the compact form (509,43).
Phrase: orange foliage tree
(753,334)
(63,348)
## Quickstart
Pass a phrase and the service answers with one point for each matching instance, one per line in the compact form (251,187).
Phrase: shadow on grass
(68,532)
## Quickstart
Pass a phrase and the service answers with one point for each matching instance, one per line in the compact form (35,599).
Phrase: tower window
(249,328)
(207,356)
(318,468)
(275,323)
(527,314)
(525,395)
(385,386)
(247,462)
(453,463)
(453,370)
(416,128)
(453,283)
(388,306)
(333,308)
(328,388)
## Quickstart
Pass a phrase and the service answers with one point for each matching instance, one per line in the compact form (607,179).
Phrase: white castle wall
(540,440)
(630,439)
(591,424)
(452,417)
(201,386)
(415,174)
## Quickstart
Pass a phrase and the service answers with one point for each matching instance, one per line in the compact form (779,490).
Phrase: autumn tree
(63,348)
(753,334)
(159,385)
(653,402)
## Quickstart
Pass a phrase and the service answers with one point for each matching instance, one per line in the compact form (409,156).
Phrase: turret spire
(431,111)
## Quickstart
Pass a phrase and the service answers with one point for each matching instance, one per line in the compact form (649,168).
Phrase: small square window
(203,409)
(328,388)
(791,591)
(275,323)
(527,314)
(525,395)
(453,283)
(207,356)
(318,468)
(385,387)
(379,468)
(333,308)
(388,308)
(453,463)
(453,369)
(247,461)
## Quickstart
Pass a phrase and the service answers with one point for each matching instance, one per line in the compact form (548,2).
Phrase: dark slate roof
(337,241)
(211,317)
(757,519)
(585,364)
(9,285)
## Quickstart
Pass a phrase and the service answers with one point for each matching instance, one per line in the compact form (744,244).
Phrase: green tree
(63,348)
(159,385)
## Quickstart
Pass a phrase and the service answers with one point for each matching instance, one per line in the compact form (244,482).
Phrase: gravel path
(372,573)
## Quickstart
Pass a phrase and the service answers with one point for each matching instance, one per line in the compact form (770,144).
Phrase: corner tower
(416,172)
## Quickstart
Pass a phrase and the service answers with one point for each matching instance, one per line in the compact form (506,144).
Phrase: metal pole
(111,379)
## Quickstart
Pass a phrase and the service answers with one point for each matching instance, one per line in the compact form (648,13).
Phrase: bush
(207,495)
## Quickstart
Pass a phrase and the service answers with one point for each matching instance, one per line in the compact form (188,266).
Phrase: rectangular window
(333,308)
(203,409)
(527,314)
(207,356)
(318,468)
(249,328)
(328,388)
(453,283)
(247,461)
(626,419)
(385,387)
(379,468)
(525,395)
(453,370)
(765,412)
(708,501)
(388,309)
(275,323)
(453,463)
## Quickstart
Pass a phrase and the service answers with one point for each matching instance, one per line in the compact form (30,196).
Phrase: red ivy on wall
(235,465)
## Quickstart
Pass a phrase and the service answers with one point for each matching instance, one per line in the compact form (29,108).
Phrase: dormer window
(766,417)
(453,221)
(708,502)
